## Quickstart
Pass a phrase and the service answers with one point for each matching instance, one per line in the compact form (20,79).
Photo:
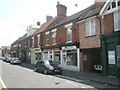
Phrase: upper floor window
(114,4)
(117,21)
(47,38)
(38,36)
(90,28)
(54,36)
(69,32)
(32,41)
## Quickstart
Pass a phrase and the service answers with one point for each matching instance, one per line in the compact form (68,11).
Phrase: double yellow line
(3,84)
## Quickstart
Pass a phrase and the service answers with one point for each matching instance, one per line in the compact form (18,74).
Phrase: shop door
(112,70)
(64,60)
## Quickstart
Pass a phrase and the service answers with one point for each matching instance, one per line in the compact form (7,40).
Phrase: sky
(17,15)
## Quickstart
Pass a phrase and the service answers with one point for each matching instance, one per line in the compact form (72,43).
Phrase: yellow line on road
(3,84)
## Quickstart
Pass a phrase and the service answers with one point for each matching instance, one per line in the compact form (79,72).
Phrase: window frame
(54,37)
(116,20)
(33,41)
(38,42)
(89,28)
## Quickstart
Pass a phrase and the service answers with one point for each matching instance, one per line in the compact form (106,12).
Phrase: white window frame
(68,27)
(117,20)
(47,39)
(38,36)
(32,41)
(54,38)
(89,27)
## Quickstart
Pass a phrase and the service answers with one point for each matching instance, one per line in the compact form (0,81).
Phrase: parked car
(15,61)
(2,58)
(9,59)
(47,66)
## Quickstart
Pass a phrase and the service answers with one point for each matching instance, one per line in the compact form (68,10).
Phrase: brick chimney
(99,2)
(48,18)
(61,10)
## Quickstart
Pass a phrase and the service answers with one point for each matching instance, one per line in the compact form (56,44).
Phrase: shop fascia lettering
(69,47)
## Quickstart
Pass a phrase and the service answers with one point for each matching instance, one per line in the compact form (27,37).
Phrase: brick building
(111,37)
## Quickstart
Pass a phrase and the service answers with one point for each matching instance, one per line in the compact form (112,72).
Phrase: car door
(42,66)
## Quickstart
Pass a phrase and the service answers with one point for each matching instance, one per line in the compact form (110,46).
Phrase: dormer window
(114,4)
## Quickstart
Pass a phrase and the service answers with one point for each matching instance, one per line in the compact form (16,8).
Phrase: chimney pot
(48,18)
(38,23)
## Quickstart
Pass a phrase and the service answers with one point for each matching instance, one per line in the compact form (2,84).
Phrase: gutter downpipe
(100,23)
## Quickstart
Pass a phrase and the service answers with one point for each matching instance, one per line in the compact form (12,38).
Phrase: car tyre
(45,71)
(35,69)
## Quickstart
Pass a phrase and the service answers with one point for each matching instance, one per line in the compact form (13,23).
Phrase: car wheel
(45,71)
(35,69)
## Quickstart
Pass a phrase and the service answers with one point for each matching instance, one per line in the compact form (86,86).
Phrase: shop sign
(69,47)
(53,49)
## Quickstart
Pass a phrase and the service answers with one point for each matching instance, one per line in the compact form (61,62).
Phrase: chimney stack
(61,10)
(48,18)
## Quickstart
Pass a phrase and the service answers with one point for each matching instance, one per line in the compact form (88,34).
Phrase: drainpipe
(100,23)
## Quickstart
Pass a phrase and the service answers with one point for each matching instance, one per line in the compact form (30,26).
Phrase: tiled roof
(58,19)
(45,25)
(90,11)
(94,11)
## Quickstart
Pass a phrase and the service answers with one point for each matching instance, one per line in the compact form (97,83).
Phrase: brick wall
(61,34)
(89,42)
(108,23)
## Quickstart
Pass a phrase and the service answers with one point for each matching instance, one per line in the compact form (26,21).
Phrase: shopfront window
(72,57)
(57,57)
(45,55)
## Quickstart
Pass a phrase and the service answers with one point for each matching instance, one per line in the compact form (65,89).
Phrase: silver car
(15,61)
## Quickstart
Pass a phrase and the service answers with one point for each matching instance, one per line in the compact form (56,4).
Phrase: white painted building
(31,29)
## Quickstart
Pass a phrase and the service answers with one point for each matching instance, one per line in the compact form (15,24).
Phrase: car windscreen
(52,63)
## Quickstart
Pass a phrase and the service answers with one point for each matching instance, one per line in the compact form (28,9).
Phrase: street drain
(57,83)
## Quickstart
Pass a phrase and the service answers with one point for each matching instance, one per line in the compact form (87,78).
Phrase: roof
(19,39)
(56,21)
(75,16)
(45,25)
(34,26)
(93,12)
(85,13)
(104,7)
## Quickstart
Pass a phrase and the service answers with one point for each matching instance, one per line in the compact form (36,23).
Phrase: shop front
(70,58)
(53,54)
(35,54)
(111,54)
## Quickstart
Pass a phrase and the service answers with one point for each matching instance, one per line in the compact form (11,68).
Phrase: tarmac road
(15,76)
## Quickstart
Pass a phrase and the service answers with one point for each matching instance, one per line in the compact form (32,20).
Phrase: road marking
(3,84)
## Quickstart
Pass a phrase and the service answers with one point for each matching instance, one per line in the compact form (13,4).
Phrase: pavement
(96,77)
(0,87)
